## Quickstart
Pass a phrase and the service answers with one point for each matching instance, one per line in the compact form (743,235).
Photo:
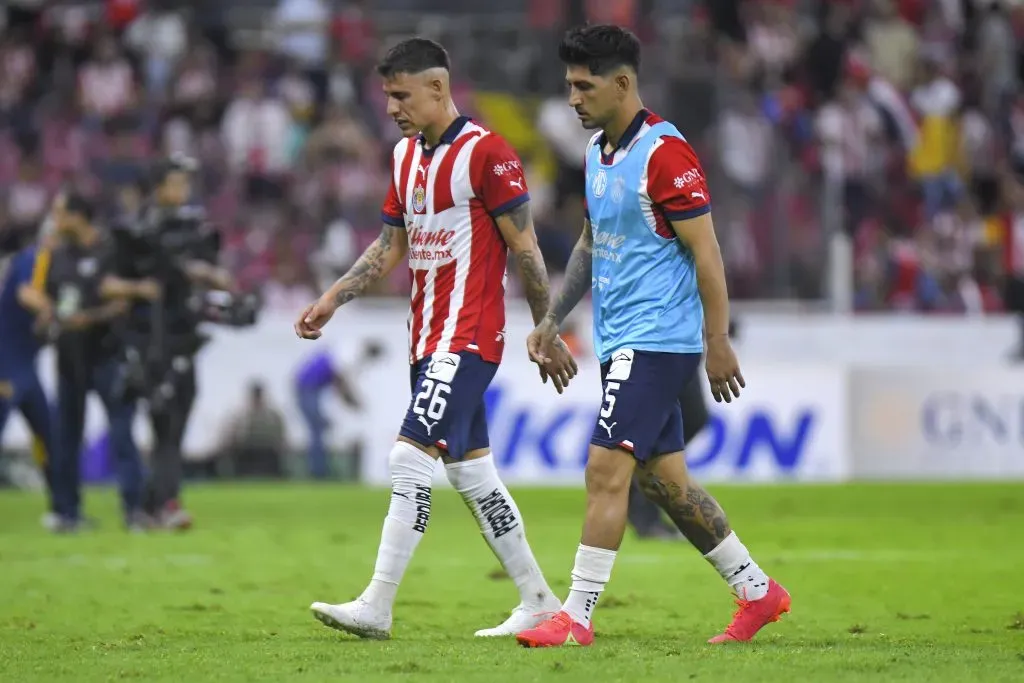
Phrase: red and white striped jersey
(447,197)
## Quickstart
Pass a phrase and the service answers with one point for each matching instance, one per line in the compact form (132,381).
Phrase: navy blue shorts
(447,408)
(640,408)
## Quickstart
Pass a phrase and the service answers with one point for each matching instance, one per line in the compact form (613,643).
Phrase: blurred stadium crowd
(899,123)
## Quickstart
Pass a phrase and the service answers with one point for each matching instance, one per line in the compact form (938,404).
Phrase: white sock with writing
(591,572)
(733,562)
(408,515)
(501,524)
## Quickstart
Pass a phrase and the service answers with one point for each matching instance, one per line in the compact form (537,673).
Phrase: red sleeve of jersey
(498,176)
(676,182)
(393,213)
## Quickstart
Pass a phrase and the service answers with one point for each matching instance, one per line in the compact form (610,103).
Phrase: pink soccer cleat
(753,615)
(557,631)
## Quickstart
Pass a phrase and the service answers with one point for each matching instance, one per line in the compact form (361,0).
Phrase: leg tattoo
(695,512)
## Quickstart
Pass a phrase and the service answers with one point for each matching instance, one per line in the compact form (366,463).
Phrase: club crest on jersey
(600,183)
(419,199)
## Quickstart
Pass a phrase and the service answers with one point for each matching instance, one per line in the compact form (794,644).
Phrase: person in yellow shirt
(933,160)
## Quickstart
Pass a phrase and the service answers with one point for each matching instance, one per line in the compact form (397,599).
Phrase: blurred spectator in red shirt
(121,13)
(354,33)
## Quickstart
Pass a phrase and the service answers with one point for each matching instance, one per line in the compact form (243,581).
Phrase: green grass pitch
(889,583)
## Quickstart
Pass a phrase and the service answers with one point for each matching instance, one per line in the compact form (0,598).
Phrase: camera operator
(171,243)
(82,328)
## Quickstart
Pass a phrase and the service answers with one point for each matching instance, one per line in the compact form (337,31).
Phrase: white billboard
(942,423)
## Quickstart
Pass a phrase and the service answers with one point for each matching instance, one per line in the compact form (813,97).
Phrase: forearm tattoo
(578,275)
(693,510)
(531,267)
(535,282)
(369,268)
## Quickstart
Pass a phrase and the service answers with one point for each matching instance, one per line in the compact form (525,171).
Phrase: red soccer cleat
(557,631)
(753,615)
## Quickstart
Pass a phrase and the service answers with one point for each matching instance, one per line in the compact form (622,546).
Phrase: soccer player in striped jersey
(456,204)
(649,254)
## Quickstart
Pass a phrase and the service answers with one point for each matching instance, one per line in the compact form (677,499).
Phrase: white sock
(411,473)
(591,572)
(733,562)
(500,523)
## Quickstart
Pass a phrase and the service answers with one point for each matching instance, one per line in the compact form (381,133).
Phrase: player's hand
(314,317)
(723,369)
(541,342)
(562,367)
(551,355)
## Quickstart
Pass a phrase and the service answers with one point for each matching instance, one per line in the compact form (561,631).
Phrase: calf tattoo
(693,510)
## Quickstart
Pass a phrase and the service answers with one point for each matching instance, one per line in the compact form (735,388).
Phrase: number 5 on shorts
(609,398)
(435,391)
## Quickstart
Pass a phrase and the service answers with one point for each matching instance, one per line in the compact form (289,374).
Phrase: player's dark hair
(600,47)
(413,56)
(77,204)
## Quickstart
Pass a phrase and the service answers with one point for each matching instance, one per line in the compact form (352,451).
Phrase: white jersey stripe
(428,312)
(414,174)
(428,289)
(462,186)
(435,165)
(399,156)
(450,223)
(412,318)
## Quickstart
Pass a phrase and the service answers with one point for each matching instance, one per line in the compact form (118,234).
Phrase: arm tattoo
(520,216)
(535,282)
(531,268)
(693,510)
(368,269)
(531,263)
(578,276)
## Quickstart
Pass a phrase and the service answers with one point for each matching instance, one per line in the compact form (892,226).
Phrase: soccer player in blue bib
(649,254)
(22,302)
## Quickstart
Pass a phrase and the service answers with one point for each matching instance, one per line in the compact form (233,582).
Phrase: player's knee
(609,471)
(468,475)
(650,486)
(410,464)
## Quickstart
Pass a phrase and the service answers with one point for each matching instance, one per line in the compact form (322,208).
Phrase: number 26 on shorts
(434,393)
